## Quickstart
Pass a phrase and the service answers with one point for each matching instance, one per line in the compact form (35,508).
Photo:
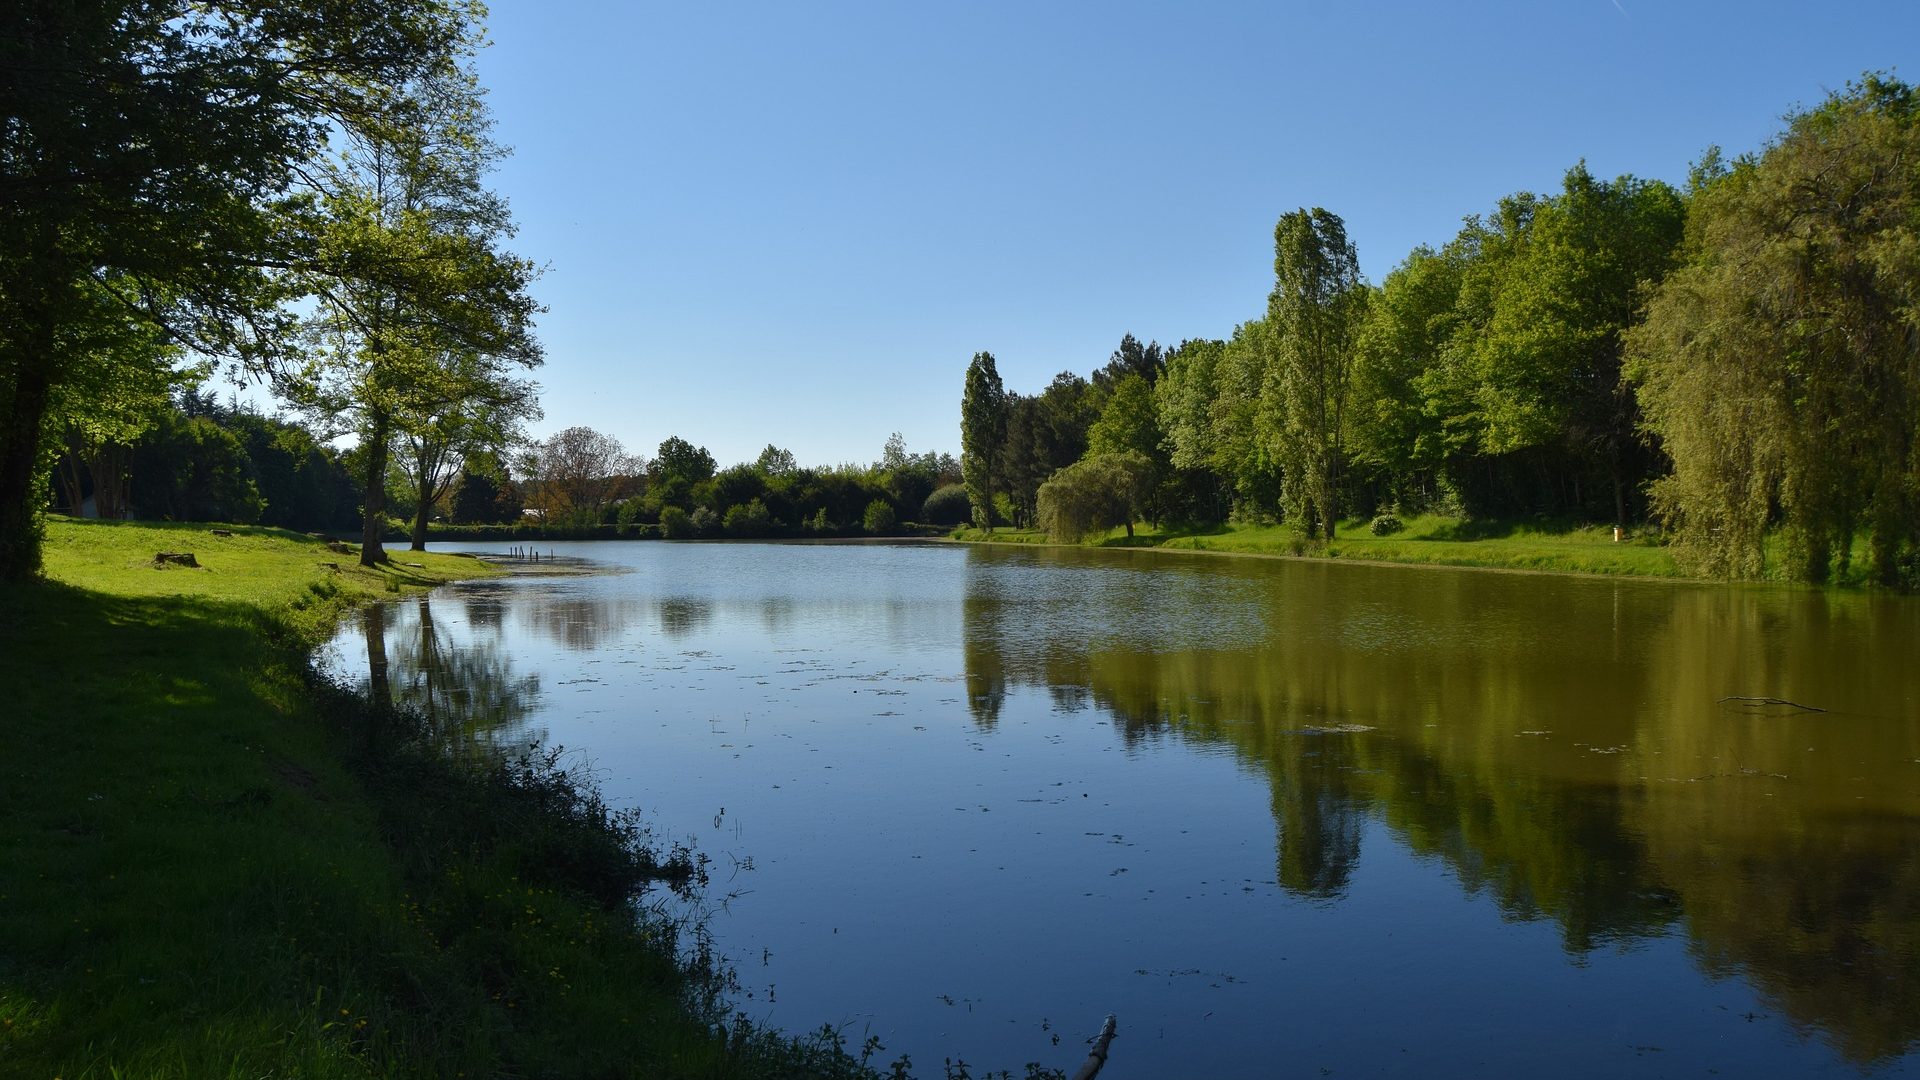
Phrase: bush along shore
(214,862)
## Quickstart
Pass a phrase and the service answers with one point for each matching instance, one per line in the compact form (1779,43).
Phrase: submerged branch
(1097,1056)
(1752,702)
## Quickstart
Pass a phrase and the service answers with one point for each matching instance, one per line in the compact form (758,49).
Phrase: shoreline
(1675,578)
(1282,556)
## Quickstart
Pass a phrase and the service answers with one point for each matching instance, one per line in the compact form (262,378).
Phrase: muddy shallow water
(1279,817)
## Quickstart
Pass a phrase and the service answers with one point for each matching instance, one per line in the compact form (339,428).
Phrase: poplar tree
(1317,298)
(983,428)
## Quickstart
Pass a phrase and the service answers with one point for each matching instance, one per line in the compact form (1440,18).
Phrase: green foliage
(1549,362)
(739,484)
(1396,431)
(948,505)
(704,521)
(1317,303)
(1777,365)
(879,519)
(1386,525)
(748,519)
(1094,494)
(983,428)
(477,500)
(146,173)
(194,470)
(680,462)
(676,524)
(775,463)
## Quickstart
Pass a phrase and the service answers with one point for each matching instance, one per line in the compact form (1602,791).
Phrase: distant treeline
(580,477)
(1738,361)
(201,460)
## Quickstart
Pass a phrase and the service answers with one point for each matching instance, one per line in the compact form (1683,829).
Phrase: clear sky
(795,223)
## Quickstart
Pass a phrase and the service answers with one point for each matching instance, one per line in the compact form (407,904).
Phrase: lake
(1281,817)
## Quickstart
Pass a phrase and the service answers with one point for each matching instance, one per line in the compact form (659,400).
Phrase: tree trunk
(1330,511)
(71,483)
(425,492)
(19,454)
(371,553)
(110,483)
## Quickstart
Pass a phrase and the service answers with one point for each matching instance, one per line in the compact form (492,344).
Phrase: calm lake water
(1282,818)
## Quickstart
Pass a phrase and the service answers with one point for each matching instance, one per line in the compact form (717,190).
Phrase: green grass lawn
(209,869)
(1426,539)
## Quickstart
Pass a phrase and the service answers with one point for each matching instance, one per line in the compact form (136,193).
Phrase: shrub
(1386,525)
(675,524)
(947,506)
(749,519)
(879,519)
(704,521)
(819,522)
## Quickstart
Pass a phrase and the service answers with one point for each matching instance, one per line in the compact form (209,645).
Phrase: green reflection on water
(1563,745)
(467,694)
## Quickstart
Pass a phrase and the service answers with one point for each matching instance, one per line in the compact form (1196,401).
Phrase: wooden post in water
(1097,1056)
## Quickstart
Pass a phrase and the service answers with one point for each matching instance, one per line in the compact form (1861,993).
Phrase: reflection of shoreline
(1541,770)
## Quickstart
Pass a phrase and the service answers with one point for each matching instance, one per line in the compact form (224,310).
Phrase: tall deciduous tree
(417,305)
(1396,437)
(1550,357)
(983,429)
(473,408)
(1317,297)
(142,146)
(575,473)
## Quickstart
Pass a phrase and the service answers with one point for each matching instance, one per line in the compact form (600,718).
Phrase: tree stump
(175,558)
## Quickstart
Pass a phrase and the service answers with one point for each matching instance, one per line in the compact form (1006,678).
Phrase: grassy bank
(1425,540)
(213,866)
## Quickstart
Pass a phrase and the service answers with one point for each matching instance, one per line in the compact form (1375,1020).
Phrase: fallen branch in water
(1761,702)
(1097,1056)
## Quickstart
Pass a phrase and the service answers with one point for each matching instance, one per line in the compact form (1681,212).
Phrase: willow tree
(1780,366)
(983,428)
(1316,303)
(143,149)
(1096,493)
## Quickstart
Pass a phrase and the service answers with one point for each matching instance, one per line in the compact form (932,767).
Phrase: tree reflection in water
(1594,778)
(466,692)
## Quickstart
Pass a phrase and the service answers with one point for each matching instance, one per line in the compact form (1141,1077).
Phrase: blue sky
(796,223)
